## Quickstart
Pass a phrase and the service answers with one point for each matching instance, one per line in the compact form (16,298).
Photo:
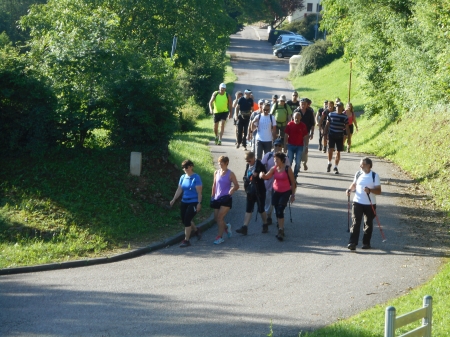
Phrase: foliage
(401,48)
(315,57)
(190,112)
(201,76)
(10,13)
(28,121)
(306,26)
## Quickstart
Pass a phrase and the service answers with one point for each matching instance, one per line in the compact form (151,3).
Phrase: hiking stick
(348,213)
(378,221)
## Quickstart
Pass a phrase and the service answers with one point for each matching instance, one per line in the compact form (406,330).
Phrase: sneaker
(269,220)
(218,240)
(324,149)
(216,140)
(305,167)
(185,243)
(237,146)
(348,149)
(198,233)
(336,170)
(366,246)
(351,246)
(242,230)
(245,148)
(320,147)
(329,168)
(280,235)
(265,228)
(219,142)
(228,230)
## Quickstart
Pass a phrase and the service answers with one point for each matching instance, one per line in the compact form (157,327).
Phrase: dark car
(275,33)
(291,49)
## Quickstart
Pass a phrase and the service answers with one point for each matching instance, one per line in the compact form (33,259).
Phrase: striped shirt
(337,123)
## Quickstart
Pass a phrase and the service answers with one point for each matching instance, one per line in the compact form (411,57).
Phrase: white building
(312,7)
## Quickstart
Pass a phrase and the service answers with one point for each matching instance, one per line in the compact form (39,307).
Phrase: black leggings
(187,212)
(279,201)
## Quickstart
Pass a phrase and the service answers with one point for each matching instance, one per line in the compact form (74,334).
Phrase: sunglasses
(277,145)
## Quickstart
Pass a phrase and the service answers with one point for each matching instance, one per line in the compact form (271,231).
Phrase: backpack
(360,173)
(271,119)
(278,118)
(286,168)
(216,93)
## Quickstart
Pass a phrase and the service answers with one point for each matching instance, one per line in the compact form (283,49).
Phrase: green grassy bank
(419,144)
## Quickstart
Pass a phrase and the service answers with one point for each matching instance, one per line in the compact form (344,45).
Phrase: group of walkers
(269,181)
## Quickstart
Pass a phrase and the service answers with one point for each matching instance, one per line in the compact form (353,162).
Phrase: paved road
(240,287)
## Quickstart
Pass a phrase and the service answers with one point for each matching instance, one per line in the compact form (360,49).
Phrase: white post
(427,302)
(136,163)
(389,323)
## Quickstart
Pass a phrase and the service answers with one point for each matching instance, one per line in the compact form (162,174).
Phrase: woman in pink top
(351,120)
(284,189)
(221,200)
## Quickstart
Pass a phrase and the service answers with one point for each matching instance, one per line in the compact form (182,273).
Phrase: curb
(208,223)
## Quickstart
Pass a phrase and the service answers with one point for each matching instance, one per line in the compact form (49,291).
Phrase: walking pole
(290,213)
(378,221)
(348,213)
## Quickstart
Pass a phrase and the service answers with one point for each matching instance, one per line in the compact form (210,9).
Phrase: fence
(425,313)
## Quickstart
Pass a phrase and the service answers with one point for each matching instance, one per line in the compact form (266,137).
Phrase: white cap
(222,85)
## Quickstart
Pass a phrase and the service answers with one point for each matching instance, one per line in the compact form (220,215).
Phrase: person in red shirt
(295,136)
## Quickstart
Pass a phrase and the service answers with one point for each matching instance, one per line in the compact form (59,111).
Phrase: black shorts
(281,198)
(260,200)
(226,201)
(350,127)
(336,140)
(220,116)
(187,212)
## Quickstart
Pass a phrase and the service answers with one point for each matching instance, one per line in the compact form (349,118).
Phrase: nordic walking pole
(290,213)
(378,221)
(348,213)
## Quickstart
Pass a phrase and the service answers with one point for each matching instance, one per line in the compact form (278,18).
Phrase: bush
(305,27)
(28,122)
(190,112)
(201,77)
(315,57)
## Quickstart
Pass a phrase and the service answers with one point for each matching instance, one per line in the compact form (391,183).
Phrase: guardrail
(425,313)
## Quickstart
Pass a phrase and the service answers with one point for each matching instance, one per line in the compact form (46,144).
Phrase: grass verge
(418,143)
(78,204)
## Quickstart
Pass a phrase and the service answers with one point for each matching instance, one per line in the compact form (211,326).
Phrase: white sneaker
(229,233)
(218,240)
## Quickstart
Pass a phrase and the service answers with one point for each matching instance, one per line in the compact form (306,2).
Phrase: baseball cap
(260,101)
(247,91)
(339,104)
(275,96)
(283,98)
(278,141)
(223,85)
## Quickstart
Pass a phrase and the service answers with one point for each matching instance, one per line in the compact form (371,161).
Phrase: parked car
(294,48)
(287,37)
(275,33)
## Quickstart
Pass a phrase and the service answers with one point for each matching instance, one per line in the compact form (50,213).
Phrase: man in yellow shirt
(220,105)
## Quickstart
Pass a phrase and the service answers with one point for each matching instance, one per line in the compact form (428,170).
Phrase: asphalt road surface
(240,287)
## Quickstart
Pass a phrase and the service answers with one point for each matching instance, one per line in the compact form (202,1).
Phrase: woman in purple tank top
(221,200)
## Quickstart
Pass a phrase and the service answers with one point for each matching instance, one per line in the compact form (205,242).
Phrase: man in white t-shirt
(366,183)
(266,128)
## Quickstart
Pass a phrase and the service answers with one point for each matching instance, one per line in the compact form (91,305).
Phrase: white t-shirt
(265,125)
(365,180)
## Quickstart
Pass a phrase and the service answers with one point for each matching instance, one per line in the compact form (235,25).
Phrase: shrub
(28,121)
(190,112)
(315,57)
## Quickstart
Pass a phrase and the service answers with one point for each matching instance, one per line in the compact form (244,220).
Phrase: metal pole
(350,82)
(389,323)
(427,302)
